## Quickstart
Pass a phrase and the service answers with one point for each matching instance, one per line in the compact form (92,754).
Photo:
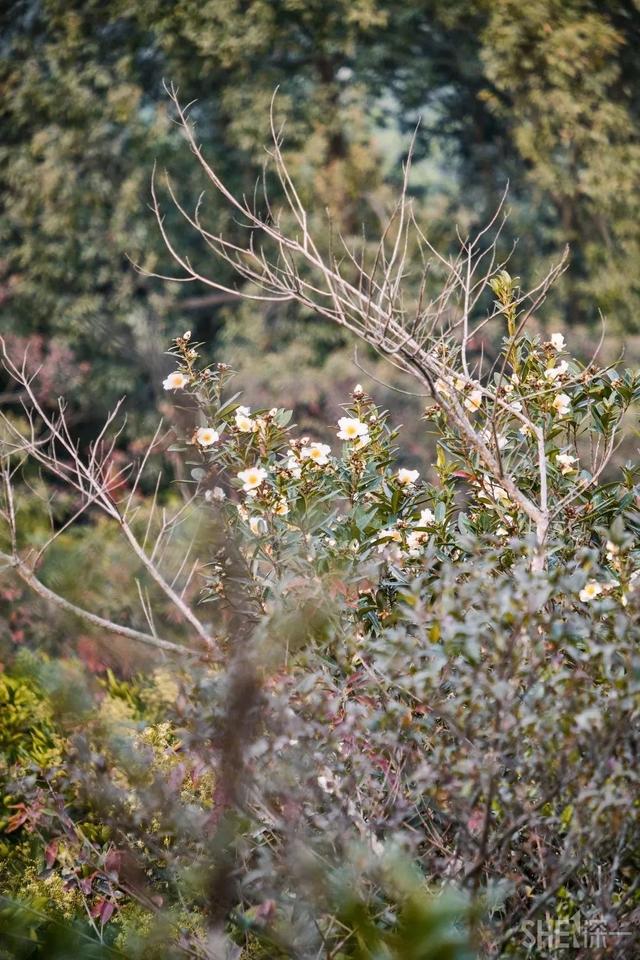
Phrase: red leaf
(51,853)
(107,911)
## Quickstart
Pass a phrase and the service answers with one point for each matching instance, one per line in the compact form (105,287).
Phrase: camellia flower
(258,526)
(426,517)
(252,478)
(293,465)
(391,533)
(566,463)
(496,491)
(207,436)
(391,536)
(488,437)
(317,452)
(474,400)
(551,373)
(281,508)
(406,478)
(562,404)
(244,423)
(175,381)
(557,342)
(590,591)
(415,542)
(351,428)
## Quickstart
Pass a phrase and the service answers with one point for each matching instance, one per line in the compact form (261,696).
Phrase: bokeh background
(542,96)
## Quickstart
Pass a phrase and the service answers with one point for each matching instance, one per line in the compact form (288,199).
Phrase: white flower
(281,509)
(415,542)
(258,526)
(207,436)
(525,430)
(474,400)
(292,464)
(252,478)
(566,463)
(244,423)
(326,782)
(357,390)
(390,533)
(175,381)
(426,517)
(612,550)
(317,452)
(459,383)
(502,532)
(488,437)
(351,428)
(388,548)
(495,491)
(216,494)
(551,373)
(562,404)
(557,342)
(442,386)
(517,406)
(406,478)
(590,591)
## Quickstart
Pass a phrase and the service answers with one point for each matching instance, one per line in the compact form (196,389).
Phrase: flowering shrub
(418,742)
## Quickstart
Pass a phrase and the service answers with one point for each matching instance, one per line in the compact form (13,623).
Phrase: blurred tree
(545,98)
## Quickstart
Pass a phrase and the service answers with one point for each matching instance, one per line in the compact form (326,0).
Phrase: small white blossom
(351,428)
(244,423)
(612,550)
(252,478)
(318,453)
(474,400)
(426,517)
(207,436)
(590,591)
(562,404)
(442,386)
(281,509)
(488,437)
(415,542)
(552,373)
(406,478)
(292,464)
(566,463)
(391,533)
(557,342)
(517,406)
(495,491)
(175,381)
(258,526)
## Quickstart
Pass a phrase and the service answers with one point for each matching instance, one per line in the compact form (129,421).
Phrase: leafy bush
(409,738)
